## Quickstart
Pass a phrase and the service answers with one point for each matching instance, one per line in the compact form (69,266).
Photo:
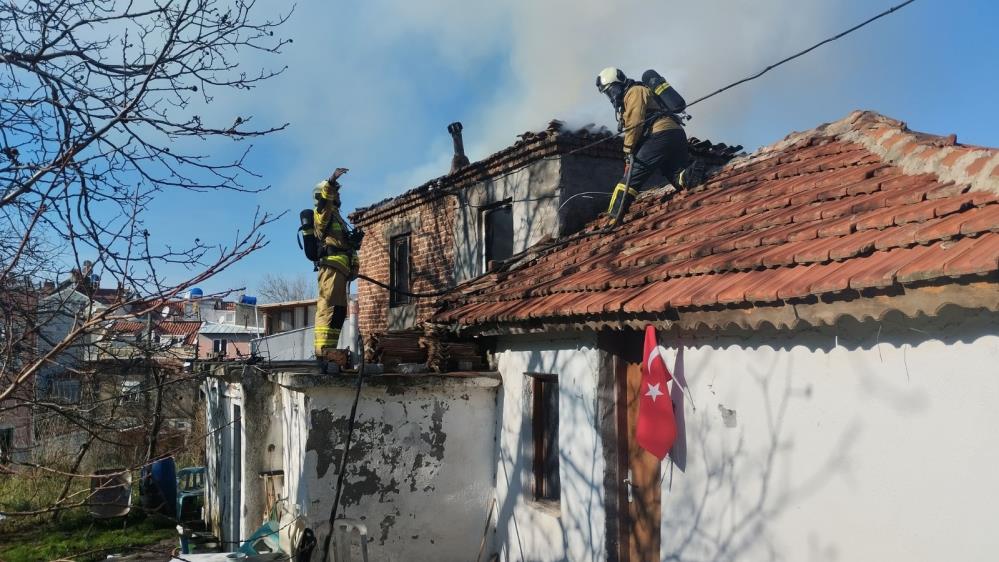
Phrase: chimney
(48,287)
(459,160)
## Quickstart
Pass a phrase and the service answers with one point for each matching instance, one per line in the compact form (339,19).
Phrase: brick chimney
(459,160)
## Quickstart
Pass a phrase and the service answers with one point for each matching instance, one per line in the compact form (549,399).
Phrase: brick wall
(430,225)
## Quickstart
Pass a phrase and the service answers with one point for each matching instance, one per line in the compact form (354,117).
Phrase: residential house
(828,306)
(450,229)
(425,444)
(18,340)
(226,341)
(288,330)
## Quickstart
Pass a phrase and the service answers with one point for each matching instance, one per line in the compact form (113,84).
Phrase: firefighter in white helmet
(653,139)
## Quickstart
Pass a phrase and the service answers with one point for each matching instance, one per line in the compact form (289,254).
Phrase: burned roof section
(861,206)
(555,140)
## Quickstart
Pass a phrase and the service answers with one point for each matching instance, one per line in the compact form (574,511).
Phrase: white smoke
(352,101)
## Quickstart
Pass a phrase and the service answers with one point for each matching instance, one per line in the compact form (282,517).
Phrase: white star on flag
(654,391)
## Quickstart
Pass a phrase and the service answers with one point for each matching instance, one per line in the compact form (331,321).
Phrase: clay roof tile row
(839,208)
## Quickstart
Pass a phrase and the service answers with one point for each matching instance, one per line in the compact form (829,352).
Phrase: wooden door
(641,495)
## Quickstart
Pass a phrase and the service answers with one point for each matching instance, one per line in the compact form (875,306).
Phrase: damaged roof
(862,207)
(556,140)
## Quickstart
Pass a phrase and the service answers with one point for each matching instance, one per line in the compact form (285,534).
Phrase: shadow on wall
(736,474)
(575,535)
(728,512)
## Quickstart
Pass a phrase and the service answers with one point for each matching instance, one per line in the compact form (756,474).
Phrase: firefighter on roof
(337,264)
(653,135)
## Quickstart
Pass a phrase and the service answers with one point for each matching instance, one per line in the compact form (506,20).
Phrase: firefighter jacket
(331,230)
(640,104)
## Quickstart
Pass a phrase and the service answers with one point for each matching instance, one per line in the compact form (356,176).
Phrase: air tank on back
(667,94)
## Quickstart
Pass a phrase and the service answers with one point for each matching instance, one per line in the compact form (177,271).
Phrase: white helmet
(608,76)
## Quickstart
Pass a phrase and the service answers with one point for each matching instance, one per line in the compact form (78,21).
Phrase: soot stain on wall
(319,440)
(382,455)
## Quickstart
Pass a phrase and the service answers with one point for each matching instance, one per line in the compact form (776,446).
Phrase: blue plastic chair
(190,486)
(268,533)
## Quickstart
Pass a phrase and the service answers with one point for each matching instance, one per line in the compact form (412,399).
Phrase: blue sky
(371,86)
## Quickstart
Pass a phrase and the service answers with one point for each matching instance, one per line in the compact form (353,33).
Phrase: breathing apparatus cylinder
(671,100)
(310,243)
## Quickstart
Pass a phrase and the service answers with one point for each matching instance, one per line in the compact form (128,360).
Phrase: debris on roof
(857,205)
(532,146)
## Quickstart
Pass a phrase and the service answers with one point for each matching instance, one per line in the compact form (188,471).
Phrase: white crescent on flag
(660,352)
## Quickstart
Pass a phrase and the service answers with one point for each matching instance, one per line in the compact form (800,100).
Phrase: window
(544,413)
(497,223)
(287,320)
(66,390)
(399,269)
(130,391)
(310,315)
(220,345)
(6,444)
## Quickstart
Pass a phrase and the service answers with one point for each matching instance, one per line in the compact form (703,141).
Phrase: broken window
(544,393)
(399,265)
(497,223)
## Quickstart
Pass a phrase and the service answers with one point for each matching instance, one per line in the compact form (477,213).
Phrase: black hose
(343,459)
(405,293)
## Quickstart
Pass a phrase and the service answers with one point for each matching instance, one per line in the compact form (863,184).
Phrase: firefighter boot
(620,201)
(691,176)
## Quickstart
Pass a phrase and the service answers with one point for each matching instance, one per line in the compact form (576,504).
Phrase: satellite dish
(165,312)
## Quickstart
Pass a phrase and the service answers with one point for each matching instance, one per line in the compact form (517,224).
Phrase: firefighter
(653,139)
(337,265)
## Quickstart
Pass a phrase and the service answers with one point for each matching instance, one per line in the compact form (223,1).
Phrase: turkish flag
(656,429)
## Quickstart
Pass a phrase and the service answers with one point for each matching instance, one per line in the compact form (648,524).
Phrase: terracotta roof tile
(822,212)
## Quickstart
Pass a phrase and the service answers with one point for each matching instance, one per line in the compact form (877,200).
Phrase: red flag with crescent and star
(656,428)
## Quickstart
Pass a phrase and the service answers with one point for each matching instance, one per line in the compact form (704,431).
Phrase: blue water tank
(195,293)
(158,487)
(247,299)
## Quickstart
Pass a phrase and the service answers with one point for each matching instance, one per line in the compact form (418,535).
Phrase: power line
(754,76)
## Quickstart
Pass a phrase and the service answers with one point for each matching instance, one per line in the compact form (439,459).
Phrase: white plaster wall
(525,531)
(863,442)
(534,193)
(420,471)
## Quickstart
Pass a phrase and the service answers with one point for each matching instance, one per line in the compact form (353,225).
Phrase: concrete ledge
(301,379)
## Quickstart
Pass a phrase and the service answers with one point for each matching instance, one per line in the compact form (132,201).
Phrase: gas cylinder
(671,100)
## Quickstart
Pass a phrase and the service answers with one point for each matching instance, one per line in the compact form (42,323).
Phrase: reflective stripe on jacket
(331,232)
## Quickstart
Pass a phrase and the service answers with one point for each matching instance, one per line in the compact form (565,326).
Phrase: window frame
(546,485)
(484,215)
(396,299)
(224,347)
(131,392)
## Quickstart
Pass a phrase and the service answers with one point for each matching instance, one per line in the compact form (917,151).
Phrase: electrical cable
(343,459)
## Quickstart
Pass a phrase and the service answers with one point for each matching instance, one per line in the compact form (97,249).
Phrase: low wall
(421,467)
